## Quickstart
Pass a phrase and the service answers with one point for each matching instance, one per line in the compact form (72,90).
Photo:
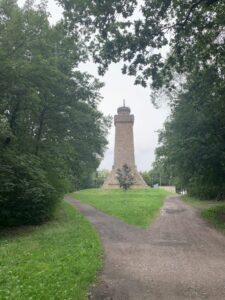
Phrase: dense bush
(25,195)
(207,187)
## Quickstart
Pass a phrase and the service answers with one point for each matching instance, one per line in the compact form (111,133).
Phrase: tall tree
(139,32)
(48,108)
(192,142)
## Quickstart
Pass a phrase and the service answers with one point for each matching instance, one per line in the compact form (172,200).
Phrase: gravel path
(179,257)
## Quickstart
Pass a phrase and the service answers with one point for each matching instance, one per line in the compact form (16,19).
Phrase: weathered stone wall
(170,188)
(124,143)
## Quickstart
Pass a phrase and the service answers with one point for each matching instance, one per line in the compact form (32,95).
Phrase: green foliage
(215,215)
(101,176)
(157,175)
(192,143)
(98,178)
(178,47)
(138,32)
(147,178)
(48,108)
(125,177)
(136,207)
(58,260)
(25,195)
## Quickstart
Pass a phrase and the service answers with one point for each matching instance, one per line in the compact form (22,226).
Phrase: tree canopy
(48,109)
(192,142)
(157,40)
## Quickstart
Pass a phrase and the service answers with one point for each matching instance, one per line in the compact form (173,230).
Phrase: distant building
(124,149)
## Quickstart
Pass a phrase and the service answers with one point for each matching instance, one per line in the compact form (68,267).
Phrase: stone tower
(124,149)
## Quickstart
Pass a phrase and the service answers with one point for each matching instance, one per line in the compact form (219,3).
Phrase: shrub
(125,177)
(25,195)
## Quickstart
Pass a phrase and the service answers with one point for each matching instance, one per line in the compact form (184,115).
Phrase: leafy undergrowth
(137,207)
(57,260)
(211,210)
(215,215)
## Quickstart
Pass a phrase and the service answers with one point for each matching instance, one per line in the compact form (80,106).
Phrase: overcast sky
(148,119)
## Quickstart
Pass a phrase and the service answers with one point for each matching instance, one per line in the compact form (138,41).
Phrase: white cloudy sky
(148,119)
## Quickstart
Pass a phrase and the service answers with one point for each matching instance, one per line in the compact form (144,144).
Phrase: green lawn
(136,207)
(211,210)
(56,261)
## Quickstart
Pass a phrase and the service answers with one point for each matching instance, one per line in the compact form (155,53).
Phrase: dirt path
(179,257)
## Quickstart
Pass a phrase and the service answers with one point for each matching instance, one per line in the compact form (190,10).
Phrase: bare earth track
(179,257)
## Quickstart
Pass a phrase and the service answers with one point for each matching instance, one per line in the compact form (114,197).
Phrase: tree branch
(193,7)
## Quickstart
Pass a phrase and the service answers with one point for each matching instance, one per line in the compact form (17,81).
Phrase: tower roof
(123,109)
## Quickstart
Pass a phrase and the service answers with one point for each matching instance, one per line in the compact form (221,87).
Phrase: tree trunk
(12,121)
(40,130)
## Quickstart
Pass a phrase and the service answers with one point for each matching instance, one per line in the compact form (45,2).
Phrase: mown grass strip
(136,207)
(58,260)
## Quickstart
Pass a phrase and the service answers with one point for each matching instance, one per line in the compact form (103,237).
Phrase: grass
(200,204)
(135,207)
(56,261)
(211,210)
(216,216)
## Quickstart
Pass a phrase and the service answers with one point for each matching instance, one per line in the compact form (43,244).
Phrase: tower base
(111,181)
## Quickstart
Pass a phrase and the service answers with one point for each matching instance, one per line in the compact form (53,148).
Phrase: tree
(178,48)
(125,177)
(192,142)
(147,177)
(157,175)
(99,177)
(138,34)
(48,108)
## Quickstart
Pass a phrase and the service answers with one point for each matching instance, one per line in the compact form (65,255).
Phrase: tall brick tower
(124,149)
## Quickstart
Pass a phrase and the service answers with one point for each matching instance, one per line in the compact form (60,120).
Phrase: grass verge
(200,204)
(211,210)
(136,207)
(216,216)
(57,260)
